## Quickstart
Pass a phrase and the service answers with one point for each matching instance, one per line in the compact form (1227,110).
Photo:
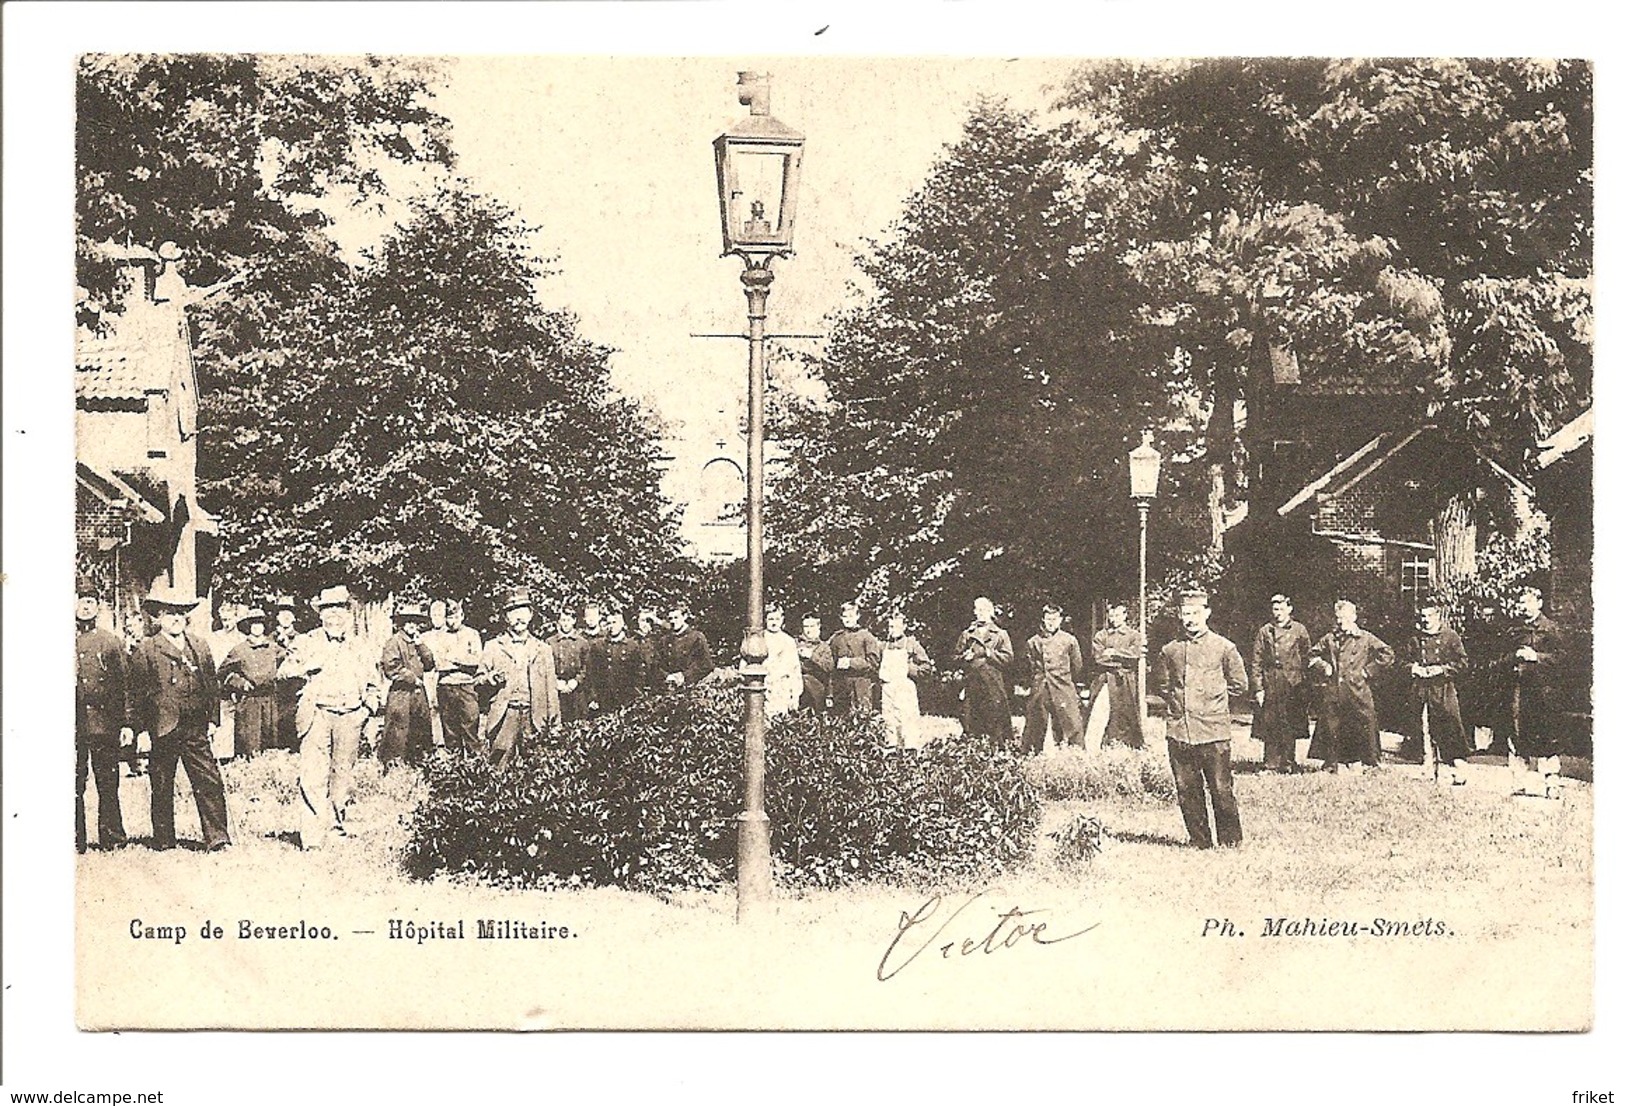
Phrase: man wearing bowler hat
(408,733)
(175,698)
(341,690)
(518,668)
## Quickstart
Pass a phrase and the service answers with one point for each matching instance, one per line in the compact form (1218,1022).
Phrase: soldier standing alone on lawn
(1199,672)
(1280,662)
(175,699)
(985,649)
(101,722)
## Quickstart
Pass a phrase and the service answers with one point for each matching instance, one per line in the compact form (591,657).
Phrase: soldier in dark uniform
(101,722)
(570,656)
(1345,658)
(249,674)
(407,732)
(817,665)
(985,649)
(688,654)
(594,634)
(174,696)
(652,639)
(287,687)
(620,675)
(856,653)
(1433,711)
(1532,664)
(1280,664)
(1116,650)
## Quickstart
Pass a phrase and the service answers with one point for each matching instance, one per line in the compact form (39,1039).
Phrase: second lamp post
(1144,467)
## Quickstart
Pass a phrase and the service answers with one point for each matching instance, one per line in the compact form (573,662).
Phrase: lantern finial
(754,91)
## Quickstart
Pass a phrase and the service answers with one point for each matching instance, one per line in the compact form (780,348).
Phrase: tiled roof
(141,352)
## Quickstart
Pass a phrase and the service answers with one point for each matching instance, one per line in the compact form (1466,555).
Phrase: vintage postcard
(1018,523)
(884,543)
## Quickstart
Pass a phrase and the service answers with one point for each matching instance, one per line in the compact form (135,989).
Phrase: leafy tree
(429,424)
(980,402)
(237,158)
(1436,216)
(1147,260)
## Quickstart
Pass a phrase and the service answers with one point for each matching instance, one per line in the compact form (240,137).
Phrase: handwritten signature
(1010,930)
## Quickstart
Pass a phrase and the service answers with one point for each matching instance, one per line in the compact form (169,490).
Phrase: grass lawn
(1507,882)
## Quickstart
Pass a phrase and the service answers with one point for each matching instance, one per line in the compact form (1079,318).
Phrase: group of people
(855,671)
(437,684)
(1200,671)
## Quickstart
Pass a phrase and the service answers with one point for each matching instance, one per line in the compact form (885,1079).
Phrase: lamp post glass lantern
(1144,469)
(758,173)
(758,176)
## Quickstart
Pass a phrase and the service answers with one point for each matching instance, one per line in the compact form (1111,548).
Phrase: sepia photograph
(821,540)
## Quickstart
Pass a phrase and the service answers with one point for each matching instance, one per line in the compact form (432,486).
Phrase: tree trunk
(1455,541)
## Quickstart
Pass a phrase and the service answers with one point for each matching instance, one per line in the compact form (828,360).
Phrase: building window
(1415,579)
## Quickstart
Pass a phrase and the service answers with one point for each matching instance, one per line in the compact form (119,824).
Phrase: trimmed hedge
(646,798)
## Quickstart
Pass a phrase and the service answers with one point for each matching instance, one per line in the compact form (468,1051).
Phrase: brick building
(138,521)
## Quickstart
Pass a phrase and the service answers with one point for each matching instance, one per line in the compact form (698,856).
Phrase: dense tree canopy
(231,156)
(417,420)
(1138,260)
(427,423)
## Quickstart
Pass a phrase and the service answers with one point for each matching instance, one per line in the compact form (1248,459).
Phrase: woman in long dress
(902,661)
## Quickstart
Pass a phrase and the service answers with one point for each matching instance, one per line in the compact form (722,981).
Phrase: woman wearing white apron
(902,661)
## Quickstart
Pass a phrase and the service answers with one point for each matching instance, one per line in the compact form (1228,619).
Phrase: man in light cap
(175,698)
(341,690)
(407,734)
(518,667)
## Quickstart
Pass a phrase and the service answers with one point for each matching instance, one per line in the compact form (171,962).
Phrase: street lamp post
(758,172)
(1144,467)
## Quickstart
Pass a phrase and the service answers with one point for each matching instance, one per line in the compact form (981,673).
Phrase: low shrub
(1078,840)
(1116,771)
(647,797)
